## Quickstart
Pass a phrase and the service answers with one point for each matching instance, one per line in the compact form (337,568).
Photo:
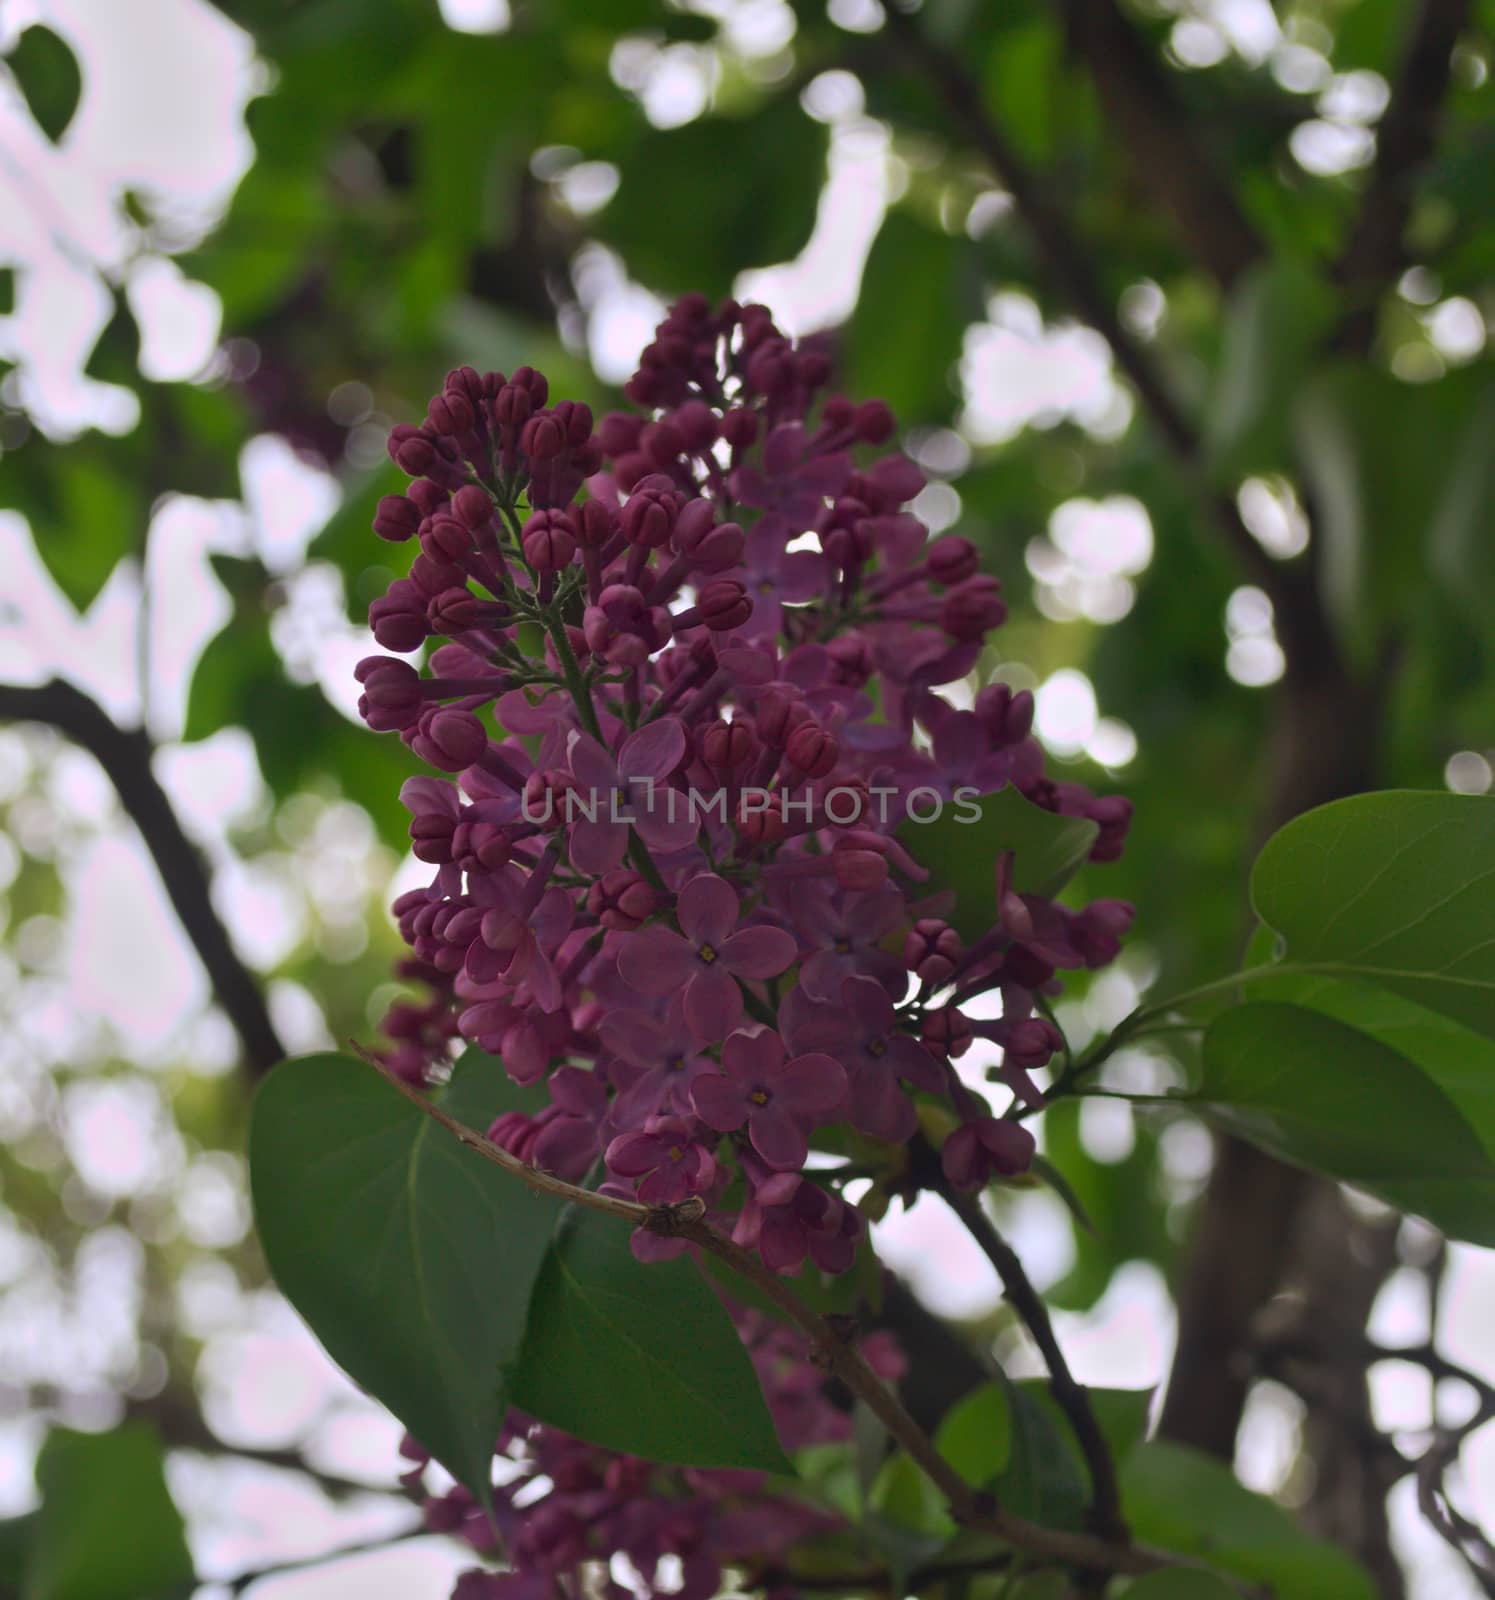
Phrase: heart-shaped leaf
(960,847)
(411,1257)
(50,81)
(1407,1115)
(1394,889)
(639,1358)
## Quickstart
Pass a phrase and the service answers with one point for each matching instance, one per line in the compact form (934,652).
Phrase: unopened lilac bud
(431,837)
(859,861)
(896,479)
(618,432)
(662,442)
(592,523)
(445,540)
(848,545)
(740,428)
(873,422)
(397,518)
(1114,814)
(473,507)
(693,524)
(696,424)
(931,950)
(947,1032)
(454,610)
(1029,1042)
(545,797)
(431,577)
(812,750)
(724,605)
(727,745)
(398,618)
(450,413)
(449,739)
(972,609)
(777,714)
(851,660)
(429,496)
(649,517)
(952,560)
(621,900)
(548,541)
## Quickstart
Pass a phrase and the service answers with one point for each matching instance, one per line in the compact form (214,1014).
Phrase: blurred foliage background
(1183,306)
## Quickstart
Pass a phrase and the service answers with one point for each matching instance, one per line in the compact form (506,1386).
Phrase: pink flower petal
(759,952)
(656,961)
(810,1084)
(708,910)
(752,1055)
(713,1003)
(719,1102)
(598,847)
(654,751)
(778,1138)
(592,767)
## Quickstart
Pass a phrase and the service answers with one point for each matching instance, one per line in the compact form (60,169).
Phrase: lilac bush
(683,686)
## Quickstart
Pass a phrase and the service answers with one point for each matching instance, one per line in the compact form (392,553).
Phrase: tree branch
(1373,255)
(1307,640)
(1072,1397)
(1161,140)
(126,757)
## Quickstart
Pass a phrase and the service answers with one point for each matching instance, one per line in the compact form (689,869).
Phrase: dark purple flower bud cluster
(683,683)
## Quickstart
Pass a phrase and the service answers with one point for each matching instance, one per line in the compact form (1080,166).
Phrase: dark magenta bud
(931,950)
(952,560)
(398,618)
(727,745)
(473,507)
(873,422)
(812,750)
(621,900)
(397,518)
(450,740)
(724,605)
(548,540)
(947,1032)
(972,609)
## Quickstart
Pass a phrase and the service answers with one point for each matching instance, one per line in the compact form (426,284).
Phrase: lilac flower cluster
(632,627)
(565,1510)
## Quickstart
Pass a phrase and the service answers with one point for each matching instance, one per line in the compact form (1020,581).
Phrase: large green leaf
(411,1257)
(1330,1096)
(1394,889)
(637,1358)
(680,225)
(1184,1500)
(961,853)
(902,347)
(1182,1583)
(975,1435)
(50,80)
(107,1528)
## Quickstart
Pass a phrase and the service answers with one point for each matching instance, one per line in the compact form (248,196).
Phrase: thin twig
(125,756)
(1071,1396)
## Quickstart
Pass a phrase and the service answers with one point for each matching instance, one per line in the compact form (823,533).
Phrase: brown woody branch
(1373,254)
(1307,640)
(1162,141)
(125,755)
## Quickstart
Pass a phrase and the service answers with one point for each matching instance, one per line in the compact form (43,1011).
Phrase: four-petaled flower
(776,1097)
(706,958)
(631,788)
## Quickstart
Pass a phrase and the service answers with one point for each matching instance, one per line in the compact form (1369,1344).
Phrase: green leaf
(901,347)
(679,226)
(1391,888)
(411,1257)
(975,1435)
(49,78)
(107,1528)
(639,1358)
(903,1495)
(1044,1478)
(1327,1095)
(1277,317)
(961,852)
(1184,1500)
